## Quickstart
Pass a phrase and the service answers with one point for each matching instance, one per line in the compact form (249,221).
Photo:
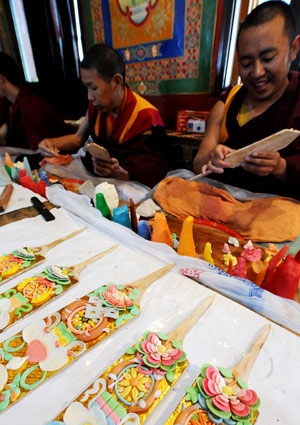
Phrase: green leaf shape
(58,290)
(146,334)
(119,321)
(5,356)
(176,344)
(135,291)
(126,317)
(182,358)
(0,280)
(192,394)
(16,381)
(139,347)
(242,383)
(131,350)
(199,382)
(120,287)
(225,372)
(134,310)
(25,264)
(215,411)
(204,367)
(162,336)
(170,376)
(169,367)
(133,296)
(6,400)
(242,418)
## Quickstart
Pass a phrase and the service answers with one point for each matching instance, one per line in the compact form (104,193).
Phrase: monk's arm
(211,137)
(68,142)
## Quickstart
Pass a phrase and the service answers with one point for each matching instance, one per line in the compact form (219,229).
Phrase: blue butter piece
(144,230)
(121,216)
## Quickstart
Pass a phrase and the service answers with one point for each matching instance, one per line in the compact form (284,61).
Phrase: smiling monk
(266,102)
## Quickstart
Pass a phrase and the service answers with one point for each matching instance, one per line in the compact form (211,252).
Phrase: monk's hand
(110,170)
(217,161)
(266,163)
(47,148)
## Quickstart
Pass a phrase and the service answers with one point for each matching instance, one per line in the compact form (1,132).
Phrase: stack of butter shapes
(33,292)
(221,396)
(46,346)
(23,259)
(130,389)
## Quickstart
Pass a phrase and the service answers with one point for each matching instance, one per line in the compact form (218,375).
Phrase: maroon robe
(30,120)
(142,155)
(284,113)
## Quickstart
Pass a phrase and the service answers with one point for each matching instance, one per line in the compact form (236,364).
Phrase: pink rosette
(117,298)
(226,398)
(157,353)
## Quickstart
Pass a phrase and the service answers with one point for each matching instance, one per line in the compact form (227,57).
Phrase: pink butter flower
(117,298)
(158,353)
(250,253)
(225,397)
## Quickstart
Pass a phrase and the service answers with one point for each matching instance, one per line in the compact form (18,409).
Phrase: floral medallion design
(31,293)
(217,397)
(130,388)
(17,261)
(46,346)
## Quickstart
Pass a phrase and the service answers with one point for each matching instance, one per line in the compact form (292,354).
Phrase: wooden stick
(45,248)
(243,368)
(143,283)
(179,333)
(198,176)
(79,267)
(5,196)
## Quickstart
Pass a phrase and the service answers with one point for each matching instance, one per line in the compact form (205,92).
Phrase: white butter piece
(110,194)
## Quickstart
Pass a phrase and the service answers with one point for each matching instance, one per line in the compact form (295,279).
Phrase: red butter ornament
(284,280)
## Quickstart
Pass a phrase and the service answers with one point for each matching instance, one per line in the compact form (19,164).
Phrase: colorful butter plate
(128,391)
(23,259)
(221,396)
(31,293)
(46,346)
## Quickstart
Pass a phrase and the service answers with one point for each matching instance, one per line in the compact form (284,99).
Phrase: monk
(128,126)
(25,118)
(266,102)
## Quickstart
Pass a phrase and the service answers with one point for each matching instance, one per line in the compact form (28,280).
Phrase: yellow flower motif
(133,384)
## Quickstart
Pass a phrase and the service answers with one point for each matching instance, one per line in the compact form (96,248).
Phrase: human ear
(295,47)
(117,80)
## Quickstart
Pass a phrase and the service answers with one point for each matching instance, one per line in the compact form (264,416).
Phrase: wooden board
(273,143)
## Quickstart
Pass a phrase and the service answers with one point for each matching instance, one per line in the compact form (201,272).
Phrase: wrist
(280,172)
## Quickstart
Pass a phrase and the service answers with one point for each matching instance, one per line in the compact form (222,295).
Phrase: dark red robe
(30,119)
(284,113)
(143,155)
